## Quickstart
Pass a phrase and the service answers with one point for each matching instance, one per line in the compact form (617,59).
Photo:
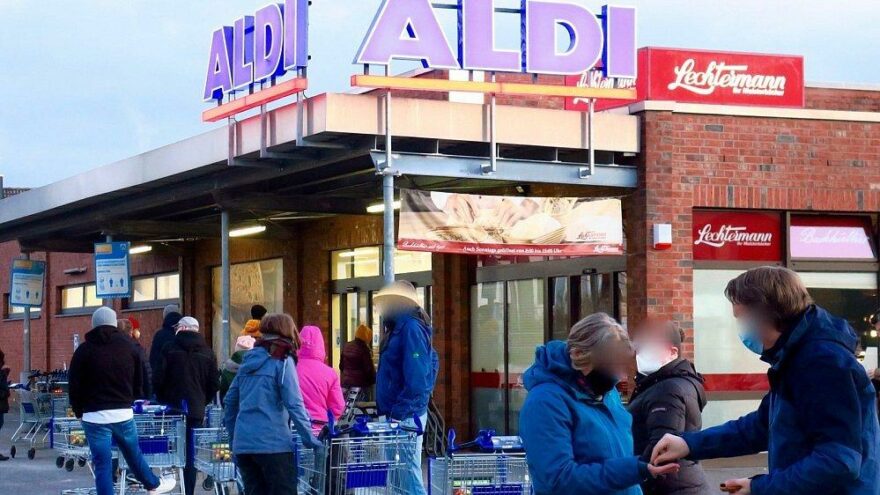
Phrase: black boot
(3,458)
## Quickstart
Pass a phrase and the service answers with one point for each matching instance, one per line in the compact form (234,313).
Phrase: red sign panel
(831,237)
(737,236)
(718,78)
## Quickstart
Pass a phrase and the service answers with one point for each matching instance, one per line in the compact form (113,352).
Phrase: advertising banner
(28,279)
(112,276)
(509,225)
(710,77)
(737,236)
(831,237)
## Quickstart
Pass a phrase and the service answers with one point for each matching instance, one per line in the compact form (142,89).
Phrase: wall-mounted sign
(112,276)
(718,78)
(410,30)
(594,78)
(508,225)
(831,237)
(737,236)
(27,282)
(255,48)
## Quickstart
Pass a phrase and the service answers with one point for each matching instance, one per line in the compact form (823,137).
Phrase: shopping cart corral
(498,468)
(43,397)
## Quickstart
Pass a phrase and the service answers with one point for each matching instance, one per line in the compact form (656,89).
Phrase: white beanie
(103,316)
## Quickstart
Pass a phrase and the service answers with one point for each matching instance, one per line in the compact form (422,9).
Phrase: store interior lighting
(145,248)
(246,231)
(380,207)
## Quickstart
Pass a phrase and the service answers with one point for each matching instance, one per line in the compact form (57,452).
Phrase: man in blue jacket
(819,420)
(407,368)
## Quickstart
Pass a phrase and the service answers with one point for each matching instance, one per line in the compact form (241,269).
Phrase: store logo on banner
(256,48)
(410,30)
(594,79)
(737,235)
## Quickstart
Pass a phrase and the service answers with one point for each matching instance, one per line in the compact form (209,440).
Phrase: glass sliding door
(525,331)
(488,374)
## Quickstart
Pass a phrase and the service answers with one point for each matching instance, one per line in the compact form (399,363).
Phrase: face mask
(749,335)
(648,361)
(601,381)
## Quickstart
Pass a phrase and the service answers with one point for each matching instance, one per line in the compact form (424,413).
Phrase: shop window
(818,237)
(411,261)
(260,282)
(367,262)
(17,312)
(851,296)
(79,299)
(154,290)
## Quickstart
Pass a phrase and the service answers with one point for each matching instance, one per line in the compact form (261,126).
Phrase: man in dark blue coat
(819,421)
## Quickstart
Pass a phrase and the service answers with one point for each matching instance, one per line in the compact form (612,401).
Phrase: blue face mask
(750,336)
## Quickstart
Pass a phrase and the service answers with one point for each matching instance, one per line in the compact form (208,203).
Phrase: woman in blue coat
(576,432)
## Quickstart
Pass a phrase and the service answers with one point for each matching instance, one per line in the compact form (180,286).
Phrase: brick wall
(843,99)
(734,162)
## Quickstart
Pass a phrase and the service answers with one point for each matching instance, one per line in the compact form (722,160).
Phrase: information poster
(112,276)
(28,280)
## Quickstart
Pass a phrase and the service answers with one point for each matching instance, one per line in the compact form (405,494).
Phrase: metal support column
(26,340)
(107,300)
(493,141)
(224,283)
(388,195)
(592,151)
(300,113)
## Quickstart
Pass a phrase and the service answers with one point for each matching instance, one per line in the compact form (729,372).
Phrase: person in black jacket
(668,398)
(165,335)
(4,393)
(187,374)
(105,374)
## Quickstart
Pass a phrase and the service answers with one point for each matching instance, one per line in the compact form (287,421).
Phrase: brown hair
(776,293)
(281,325)
(124,325)
(662,328)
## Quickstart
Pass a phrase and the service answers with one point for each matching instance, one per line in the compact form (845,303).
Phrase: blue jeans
(125,434)
(411,478)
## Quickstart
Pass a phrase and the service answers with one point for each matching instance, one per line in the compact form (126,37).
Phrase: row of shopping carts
(42,398)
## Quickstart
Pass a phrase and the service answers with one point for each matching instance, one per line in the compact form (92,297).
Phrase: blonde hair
(591,336)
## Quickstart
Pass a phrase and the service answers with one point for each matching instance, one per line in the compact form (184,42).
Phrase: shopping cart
(213,416)
(311,468)
(213,457)
(499,469)
(69,442)
(370,457)
(35,413)
(162,440)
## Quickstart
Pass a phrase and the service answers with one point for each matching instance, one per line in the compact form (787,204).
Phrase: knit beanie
(103,316)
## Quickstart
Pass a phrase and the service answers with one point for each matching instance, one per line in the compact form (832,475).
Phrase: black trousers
(268,474)
(189,471)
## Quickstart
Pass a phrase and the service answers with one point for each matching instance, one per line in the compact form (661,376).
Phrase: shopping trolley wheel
(12,451)
(59,462)
(81,462)
(32,452)
(68,466)
(208,483)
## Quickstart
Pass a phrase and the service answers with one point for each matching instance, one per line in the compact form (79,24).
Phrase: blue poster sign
(112,277)
(28,279)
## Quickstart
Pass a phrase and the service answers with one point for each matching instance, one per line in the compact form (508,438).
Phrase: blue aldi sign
(27,282)
(112,277)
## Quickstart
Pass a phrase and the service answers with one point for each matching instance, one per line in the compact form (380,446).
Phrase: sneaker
(166,484)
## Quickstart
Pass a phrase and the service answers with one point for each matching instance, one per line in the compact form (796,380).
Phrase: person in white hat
(407,367)
(105,374)
(187,374)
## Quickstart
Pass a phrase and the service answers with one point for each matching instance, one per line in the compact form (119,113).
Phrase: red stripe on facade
(721,382)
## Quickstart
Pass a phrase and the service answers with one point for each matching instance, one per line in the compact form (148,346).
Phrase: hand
(462,209)
(670,448)
(741,486)
(658,471)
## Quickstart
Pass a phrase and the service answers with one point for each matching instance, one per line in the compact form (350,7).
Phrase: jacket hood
(189,341)
(312,344)
(678,368)
(103,334)
(255,360)
(816,324)
(553,365)
(171,319)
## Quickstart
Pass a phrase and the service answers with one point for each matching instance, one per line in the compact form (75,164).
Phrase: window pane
(144,289)
(851,296)
(342,264)
(597,294)
(411,261)
(260,282)
(168,286)
(92,296)
(561,311)
(366,262)
(488,380)
(525,299)
(71,297)
(336,329)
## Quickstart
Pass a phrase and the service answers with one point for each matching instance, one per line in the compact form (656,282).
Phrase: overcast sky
(88,82)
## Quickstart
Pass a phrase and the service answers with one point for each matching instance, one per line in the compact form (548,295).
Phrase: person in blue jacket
(262,401)
(407,368)
(819,420)
(575,430)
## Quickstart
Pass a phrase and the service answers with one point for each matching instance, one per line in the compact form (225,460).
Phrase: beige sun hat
(398,291)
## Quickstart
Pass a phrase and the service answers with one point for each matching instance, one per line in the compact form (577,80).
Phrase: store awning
(255,168)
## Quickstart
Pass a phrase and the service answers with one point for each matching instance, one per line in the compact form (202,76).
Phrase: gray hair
(593,334)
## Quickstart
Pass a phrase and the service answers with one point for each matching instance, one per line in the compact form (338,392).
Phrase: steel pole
(26,340)
(107,300)
(388,196)
(224,283)
(592,156)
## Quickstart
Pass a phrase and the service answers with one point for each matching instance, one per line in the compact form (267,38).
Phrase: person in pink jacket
(318,382)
